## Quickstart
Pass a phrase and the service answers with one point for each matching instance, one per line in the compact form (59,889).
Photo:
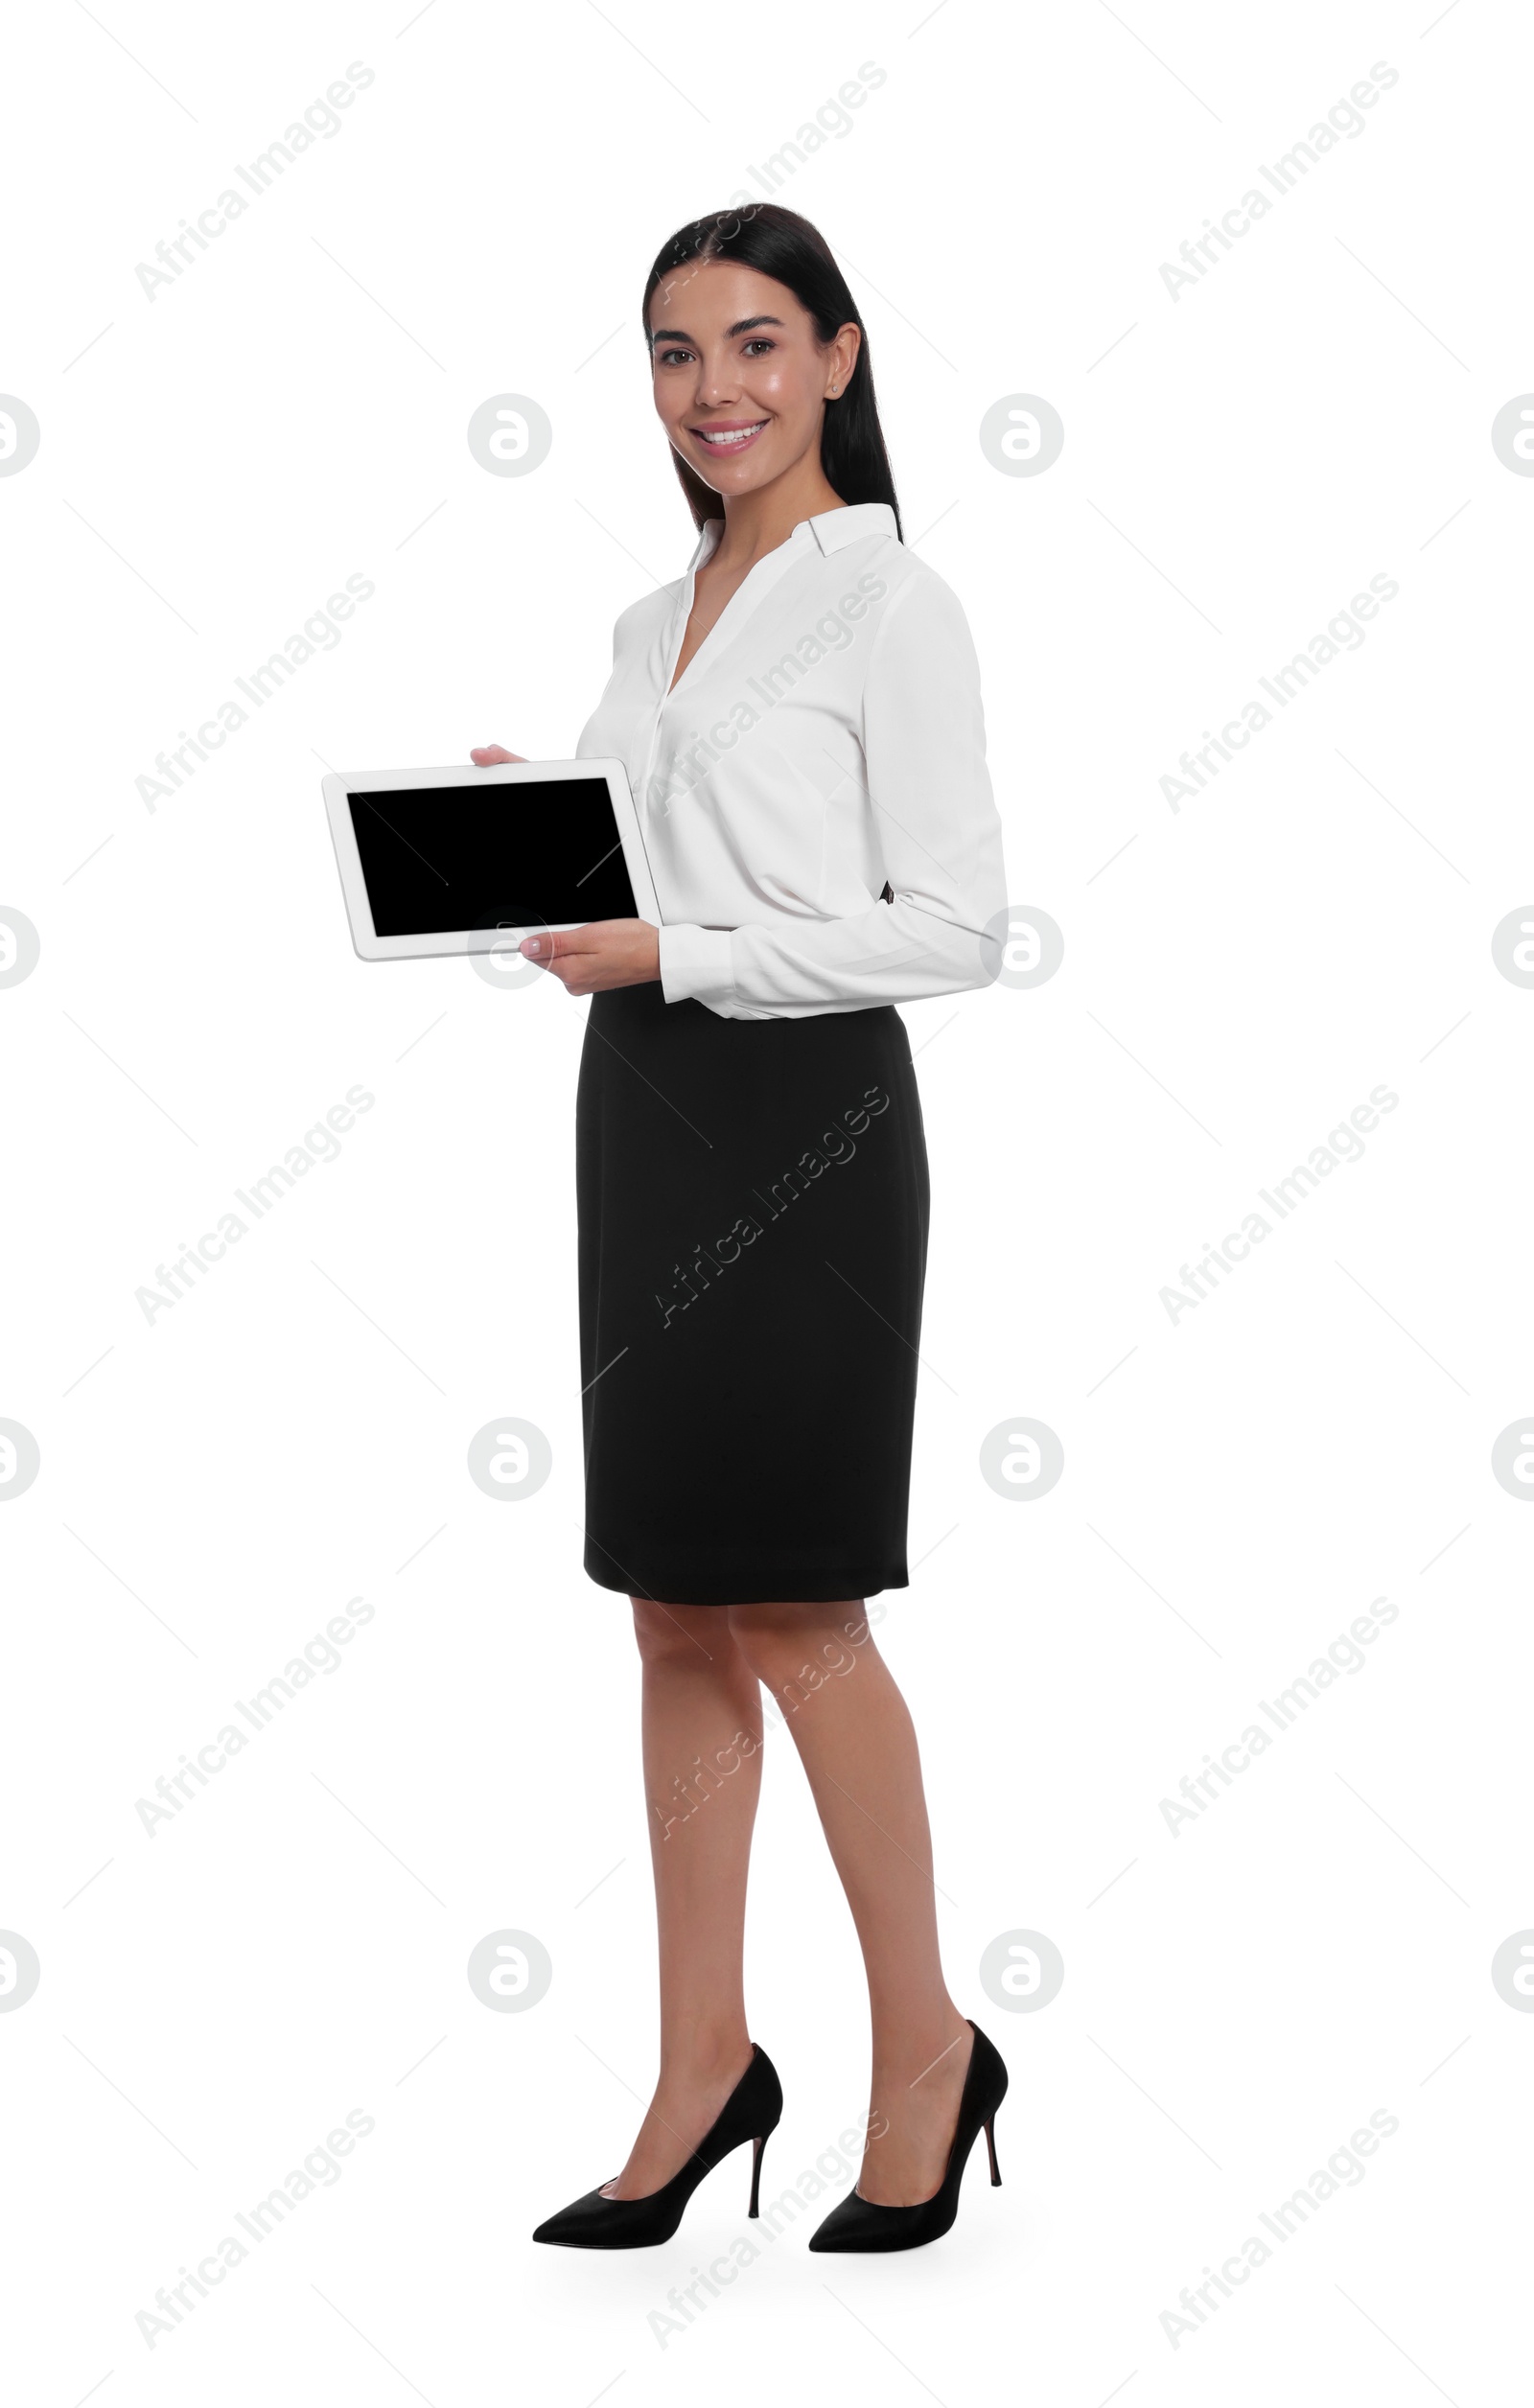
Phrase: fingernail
(533,945)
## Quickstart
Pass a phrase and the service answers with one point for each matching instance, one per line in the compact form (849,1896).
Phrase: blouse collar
(831,530)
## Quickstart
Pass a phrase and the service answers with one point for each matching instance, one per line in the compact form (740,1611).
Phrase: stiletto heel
(864,2225)
(751,2113)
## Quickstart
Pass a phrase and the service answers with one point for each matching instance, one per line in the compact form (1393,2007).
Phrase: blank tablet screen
(438,859)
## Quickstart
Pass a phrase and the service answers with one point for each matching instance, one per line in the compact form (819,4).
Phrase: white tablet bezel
(338,784)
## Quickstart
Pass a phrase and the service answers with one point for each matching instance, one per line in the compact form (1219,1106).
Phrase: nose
(717,382)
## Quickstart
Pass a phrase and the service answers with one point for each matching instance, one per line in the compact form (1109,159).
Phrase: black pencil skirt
(752,1204)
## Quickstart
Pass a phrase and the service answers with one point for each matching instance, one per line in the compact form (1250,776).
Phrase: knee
(798,1647)
(668,1635)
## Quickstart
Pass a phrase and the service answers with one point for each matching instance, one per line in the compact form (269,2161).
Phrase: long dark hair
(780,244)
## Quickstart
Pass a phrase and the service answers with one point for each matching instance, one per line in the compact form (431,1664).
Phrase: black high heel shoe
(750,2112)
(862,2224)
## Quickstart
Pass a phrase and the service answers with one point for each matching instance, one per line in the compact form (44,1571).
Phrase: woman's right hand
(491,755)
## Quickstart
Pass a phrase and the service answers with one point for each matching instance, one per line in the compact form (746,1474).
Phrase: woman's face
(740,379)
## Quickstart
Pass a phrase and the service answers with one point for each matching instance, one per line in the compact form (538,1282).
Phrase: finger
(553,946)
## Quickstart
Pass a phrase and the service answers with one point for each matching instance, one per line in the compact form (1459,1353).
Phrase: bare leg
(702,1742)
(855,1738)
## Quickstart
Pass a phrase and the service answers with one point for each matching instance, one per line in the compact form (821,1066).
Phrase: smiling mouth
(728,439)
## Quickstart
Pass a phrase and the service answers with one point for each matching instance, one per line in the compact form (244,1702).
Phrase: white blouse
(825,742)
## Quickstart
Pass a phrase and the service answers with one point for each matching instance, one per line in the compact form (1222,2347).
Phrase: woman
(800,721)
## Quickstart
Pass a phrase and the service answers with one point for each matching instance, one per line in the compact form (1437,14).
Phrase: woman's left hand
(605,953)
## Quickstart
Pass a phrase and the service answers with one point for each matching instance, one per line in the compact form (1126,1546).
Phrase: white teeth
(737,435)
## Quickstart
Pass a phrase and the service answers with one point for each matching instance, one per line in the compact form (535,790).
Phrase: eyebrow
(741,326)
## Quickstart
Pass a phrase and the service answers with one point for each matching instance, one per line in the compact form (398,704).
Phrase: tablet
(442,860)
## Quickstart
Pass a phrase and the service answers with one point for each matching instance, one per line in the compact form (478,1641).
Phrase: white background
(1239,1483)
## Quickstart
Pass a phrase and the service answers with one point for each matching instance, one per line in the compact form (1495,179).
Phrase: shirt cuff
(696,965)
